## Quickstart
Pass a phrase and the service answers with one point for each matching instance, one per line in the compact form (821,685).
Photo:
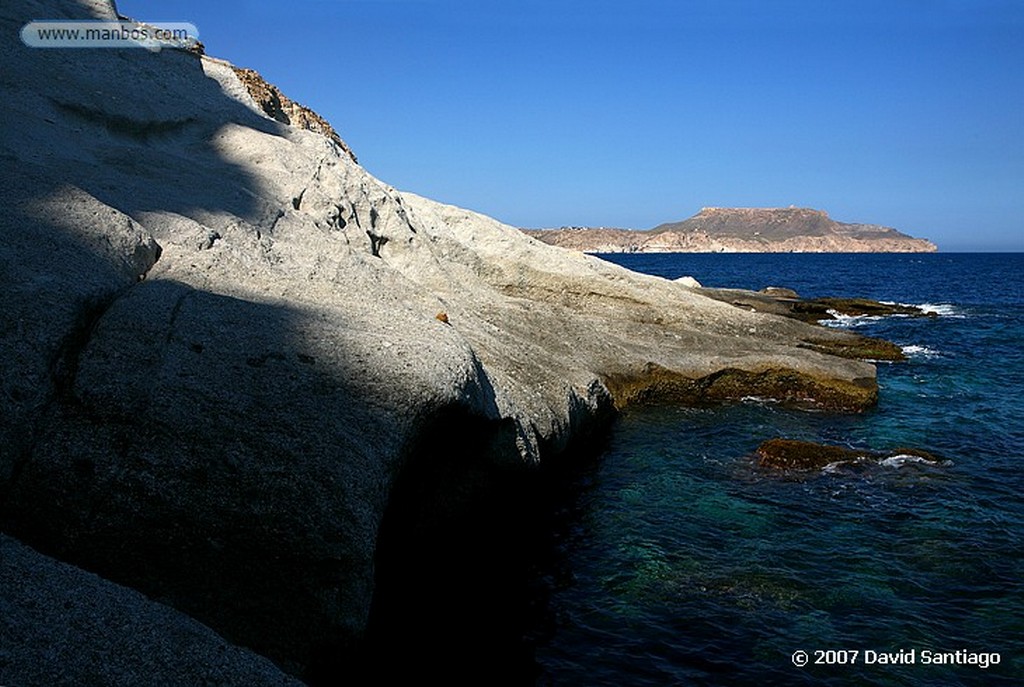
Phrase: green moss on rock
(656,384)
(857,347)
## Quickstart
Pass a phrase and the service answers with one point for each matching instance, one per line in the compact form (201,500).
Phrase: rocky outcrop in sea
(225,368)
(792,455)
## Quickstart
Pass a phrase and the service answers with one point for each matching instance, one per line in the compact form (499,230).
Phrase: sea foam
(940,309)
(902,459)
(841,320)
(915,351)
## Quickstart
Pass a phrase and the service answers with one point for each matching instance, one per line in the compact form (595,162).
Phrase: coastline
(681,520)
(226,368)
(741,230)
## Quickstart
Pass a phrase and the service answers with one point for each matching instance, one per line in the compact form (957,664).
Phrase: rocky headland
(741,230)
(239,374)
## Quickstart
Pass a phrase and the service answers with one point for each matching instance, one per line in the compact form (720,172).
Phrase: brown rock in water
(779,301)
(855,307)
(790,454)
(861,348)
(655,384)
(786,302)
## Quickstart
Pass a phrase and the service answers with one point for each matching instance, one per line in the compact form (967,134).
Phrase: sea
(678,561)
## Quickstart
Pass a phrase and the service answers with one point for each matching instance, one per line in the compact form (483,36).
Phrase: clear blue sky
(908,113)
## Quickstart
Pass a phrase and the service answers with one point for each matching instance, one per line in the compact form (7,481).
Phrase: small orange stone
(442,317)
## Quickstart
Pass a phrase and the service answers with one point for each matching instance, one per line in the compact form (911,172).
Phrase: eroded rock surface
(63,626)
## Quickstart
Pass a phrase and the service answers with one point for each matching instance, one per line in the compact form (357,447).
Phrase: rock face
(64,626)
(222,349)
(282,108)
(742,230)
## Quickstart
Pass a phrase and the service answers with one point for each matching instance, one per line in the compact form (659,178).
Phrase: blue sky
(908,113)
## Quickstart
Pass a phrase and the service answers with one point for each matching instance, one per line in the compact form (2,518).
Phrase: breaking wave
(940,309)
(915,351)
(850,321)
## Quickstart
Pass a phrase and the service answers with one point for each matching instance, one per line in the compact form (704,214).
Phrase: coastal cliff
(226,347)
(741,230)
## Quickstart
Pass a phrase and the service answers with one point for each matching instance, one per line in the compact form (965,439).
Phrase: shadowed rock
(63,626)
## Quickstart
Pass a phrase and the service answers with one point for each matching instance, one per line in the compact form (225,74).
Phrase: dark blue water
(683,563)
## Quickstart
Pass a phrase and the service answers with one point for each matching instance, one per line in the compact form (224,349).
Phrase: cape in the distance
(741,230)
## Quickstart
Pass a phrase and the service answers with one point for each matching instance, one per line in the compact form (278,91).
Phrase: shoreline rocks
(658,385)
(787,303)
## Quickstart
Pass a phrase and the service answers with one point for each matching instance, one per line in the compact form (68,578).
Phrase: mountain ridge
(741,230)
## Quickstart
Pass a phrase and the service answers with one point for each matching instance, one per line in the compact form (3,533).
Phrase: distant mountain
(741,230)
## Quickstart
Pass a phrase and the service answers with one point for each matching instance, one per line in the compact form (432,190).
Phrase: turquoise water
(681,562)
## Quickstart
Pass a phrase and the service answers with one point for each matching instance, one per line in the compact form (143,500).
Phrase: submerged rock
(790,454)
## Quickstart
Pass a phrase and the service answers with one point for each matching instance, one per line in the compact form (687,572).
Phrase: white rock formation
(688,282)
(225,433)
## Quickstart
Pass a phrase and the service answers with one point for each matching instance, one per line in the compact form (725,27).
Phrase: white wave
(940,309)
(849,321)
(902,459)
(838,465)
(915,351)
(759,400)
(841,320)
